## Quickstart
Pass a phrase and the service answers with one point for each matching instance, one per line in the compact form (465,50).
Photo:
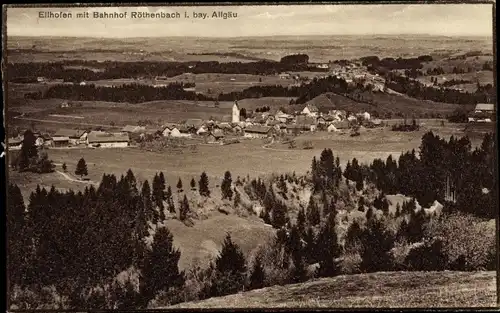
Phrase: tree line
(469,174)
(25,72)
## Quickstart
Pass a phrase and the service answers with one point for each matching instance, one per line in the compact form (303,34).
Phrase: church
(236,113)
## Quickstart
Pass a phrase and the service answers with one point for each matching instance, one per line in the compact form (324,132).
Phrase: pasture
(381,290)
(481,77)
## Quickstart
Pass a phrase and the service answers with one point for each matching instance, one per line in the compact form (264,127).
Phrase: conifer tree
(299,273)
(257,278)
(227,192)
(313,214)
(64,167)
(81,168)
(328,249)
(160,271)
(150,213)
(230,269)
(279,215)
(310,245)
(203,185)
(184,209)
(301,222)
(237,198)
(179,185)
(170,201)
(193,184)
(28,152)
(377,241)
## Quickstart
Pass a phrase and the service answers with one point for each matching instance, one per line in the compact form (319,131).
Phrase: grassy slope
(392,289)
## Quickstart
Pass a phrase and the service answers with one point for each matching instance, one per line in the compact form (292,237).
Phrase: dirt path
(67,177)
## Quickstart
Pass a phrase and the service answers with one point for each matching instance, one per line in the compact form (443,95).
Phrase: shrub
(350,263)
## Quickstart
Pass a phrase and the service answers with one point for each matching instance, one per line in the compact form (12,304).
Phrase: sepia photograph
(223,156)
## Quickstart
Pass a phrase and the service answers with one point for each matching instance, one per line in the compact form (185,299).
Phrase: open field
(202,242)
(382,290)
(482,77)
(249,157)
(319,48)
(212,84)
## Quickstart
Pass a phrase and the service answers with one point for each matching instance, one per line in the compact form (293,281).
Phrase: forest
(28,72)
(74,244)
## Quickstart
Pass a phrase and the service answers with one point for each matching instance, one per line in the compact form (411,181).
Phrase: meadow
(380,290)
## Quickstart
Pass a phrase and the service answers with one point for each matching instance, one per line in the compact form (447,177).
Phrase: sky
(282,20)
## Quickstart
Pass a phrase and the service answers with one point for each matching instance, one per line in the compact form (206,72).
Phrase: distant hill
(382,290)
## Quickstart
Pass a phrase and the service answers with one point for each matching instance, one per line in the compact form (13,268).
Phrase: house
(364,116)
(310,110)
(223,126)
(306,123)
(485,108)
(331,128)
(352,118)
(194,123)
(14,143)
(166,129)
(341,124)
(323,66)
(258,132)
(321,120)
(76,136)
(282,117)
(39,141)
(376,122)
(60,141)
(108,140)
(202,130)
(180,131)
(285,75)
(293,129)
(215,136)
(484,112)
(133,129)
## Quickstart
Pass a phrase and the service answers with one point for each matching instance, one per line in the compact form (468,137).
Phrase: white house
(332,128)
(310,110)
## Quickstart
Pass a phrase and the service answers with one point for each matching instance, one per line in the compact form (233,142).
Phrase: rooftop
(100,136)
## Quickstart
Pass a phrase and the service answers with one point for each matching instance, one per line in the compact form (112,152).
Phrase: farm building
(484,112)
(310,110)
(133,129)
(202,130)
(180,131)
(285,75)
(215,137)
(282,117)
(258,132)
(14,143)
(223,126)
(76,136)
(306,122)
(108,140)
(331,128)
(167,129)
(60,141)
(194,123)
(341,124)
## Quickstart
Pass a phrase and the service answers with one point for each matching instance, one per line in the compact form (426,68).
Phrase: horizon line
(256,36)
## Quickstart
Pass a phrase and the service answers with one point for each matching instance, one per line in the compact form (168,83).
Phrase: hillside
(381,103)
(390,289)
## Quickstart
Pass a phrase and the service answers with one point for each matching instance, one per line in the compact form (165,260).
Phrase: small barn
(60,141)
(258,132)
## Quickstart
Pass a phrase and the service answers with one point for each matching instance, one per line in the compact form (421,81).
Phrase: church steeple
(236,112)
